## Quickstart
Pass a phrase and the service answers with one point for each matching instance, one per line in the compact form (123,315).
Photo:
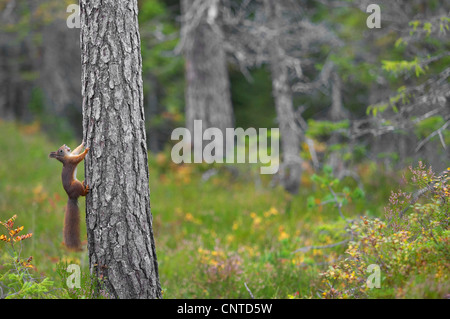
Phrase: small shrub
(410,246)
(89,286)
(18,280)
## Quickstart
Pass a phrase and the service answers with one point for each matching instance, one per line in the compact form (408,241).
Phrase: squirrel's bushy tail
(72,225)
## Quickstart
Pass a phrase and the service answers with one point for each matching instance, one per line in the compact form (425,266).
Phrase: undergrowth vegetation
(223,231)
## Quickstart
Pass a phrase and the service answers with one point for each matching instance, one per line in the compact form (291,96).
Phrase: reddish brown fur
(71,229)
(74,189)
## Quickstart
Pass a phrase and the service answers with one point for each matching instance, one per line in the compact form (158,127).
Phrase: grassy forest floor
(214,236)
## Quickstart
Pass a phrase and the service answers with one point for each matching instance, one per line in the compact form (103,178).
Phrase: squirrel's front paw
(86,188)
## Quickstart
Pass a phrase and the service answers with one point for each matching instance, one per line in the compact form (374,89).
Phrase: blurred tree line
(339,91)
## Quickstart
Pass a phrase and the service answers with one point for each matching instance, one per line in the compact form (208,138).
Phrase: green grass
(211,236)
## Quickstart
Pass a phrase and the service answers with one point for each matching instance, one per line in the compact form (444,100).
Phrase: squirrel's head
(61,153)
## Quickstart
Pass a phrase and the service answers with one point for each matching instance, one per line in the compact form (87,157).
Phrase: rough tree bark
(208,96)
(290,133)
(118,217)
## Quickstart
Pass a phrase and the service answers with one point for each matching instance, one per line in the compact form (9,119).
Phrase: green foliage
(429,125)
(58,125)
(318,129)
(159,63)
(390,155)
(150,9)
(336,192)
(377,108)
(36,105)
(17,281)
(350,70)
(163,70)
(401,67)
(32,17)
(444,25)
(440,27)
(90,286)
(252,101)
(17,285)
(405,70)
(410,249)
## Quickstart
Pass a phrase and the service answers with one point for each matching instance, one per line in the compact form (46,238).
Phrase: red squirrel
(74,189)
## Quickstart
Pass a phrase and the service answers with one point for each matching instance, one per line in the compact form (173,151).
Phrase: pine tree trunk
(118,217)
(208,96)
(290,133)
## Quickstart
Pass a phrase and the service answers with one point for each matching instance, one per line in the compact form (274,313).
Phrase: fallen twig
(249,291)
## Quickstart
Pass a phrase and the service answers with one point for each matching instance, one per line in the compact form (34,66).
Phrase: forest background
(363,115)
